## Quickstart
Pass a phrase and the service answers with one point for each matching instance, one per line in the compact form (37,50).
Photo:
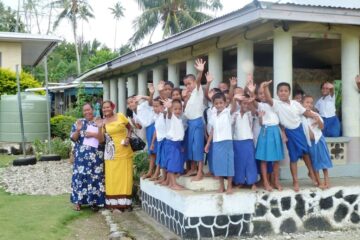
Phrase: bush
(61,126)
(58,146)
(141,165)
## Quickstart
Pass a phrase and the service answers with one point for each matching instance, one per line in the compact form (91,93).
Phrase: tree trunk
(49,22)
(76,46)
(116,23)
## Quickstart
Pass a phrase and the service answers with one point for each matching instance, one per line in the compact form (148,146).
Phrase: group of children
(242,132)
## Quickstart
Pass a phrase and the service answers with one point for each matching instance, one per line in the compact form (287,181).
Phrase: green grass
(36,217)
(6,160)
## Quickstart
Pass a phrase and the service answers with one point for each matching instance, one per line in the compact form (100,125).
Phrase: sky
(102,27)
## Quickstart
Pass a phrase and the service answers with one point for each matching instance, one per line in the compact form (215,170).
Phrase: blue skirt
(160,154)
(223,158)
(174,156)
(269,145)
(331,127)
(319,155)
(244,162)
(149,135)
(209,157)
(195,140)
(296,144)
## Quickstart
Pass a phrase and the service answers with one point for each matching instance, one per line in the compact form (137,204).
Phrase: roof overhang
(66,86)
(34,47)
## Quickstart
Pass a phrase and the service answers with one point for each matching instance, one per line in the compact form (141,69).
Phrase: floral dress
(88,171)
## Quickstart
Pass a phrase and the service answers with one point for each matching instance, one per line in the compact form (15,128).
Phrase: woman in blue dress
(88,171)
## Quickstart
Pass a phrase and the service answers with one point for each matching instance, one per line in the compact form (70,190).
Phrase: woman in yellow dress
(118,158)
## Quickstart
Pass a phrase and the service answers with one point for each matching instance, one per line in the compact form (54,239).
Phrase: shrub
(61,126)
(58,146)
(141,164)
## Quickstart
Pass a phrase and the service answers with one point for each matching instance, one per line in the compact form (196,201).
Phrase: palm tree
(118,12)
(73,10)
(173,15)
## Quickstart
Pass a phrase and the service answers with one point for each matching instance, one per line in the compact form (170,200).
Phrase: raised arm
(268,98)
(318,122)
(209,79)
(199,66)
(167,104)
(233,84)
(251,87)
(331,88)
(151,91)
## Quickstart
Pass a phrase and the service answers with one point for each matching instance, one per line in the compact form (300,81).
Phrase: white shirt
(270,118)
(221,125)
(209,113)
(144,115)
(289,113)
(175,129)
(242,126)
(195,105)
(256,128)
(160,126)
(308,126)
(326,106)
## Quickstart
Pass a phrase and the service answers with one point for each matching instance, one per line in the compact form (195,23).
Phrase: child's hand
(283,136)
(250,83)
(265,84)
(151,89)
(329,85)
(161,86)
(184,93)
(249,100)
(206,149)
(209,77)
(167,103)
(261,113)
(152,147)
(78,125)
(239,97)
(199,65)
(138,98)
(233,81)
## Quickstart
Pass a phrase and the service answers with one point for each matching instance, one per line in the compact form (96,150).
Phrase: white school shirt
(175,129)
(160,126)
(195,106)
(326,106)
(289,113)
(256,128)
(308,126)
(144,115)
(242,126)
(221,124)
(209,113)
(270,118)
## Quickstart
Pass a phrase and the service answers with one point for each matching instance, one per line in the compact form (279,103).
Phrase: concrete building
(296,41)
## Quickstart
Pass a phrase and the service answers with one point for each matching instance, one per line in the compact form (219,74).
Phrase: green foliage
(8,81)
(58,146)
(81,98)
(338,100)
(5,160)
(101,56)
(141,164)
(8,20)
(61,126)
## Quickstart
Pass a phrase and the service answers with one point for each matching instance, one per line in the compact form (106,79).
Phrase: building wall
(10,55)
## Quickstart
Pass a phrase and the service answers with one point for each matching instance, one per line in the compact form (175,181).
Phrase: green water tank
(34,115)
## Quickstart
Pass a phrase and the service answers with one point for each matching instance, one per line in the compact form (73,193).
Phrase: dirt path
(92,227)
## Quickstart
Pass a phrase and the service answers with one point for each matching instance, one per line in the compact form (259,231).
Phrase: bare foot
(160,180)
(267,187)
(220,190)
(296,186)
(278,186)
(209,174)
(198,177)
(322,186)
(327,185)
(253,187)
(177,187)
(147,175)
(229,191)
(190,173)
(313,179)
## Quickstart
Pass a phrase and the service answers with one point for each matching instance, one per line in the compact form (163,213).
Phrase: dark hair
(158,99)
(176,90)
(130,96)
(283,84)
(216,90)
(170,83)
(177,101)
(129,113)
(307,96)
(218,96)
(87,103)
(192,76)
(322,84)
(299,91)
(226,92)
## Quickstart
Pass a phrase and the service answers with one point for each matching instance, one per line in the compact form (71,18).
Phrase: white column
(131,86)
(142,83)
(121,86)
(173,74)
(245,60)
(350,96)
(190,69)
(158,75)
(283,67)
(106,90)
(216,66)
(114,92)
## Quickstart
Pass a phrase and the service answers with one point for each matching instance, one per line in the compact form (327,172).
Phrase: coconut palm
(118,12)
(73,10)
(173,15)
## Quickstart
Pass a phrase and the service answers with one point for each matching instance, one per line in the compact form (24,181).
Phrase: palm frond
(144,25)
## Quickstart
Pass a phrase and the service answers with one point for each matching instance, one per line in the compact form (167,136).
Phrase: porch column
(121,87)
(106,90)
(350,96)
(216,66)
(190,69)
(131,86)
(173,74)
(245,54)
(142,83)
(158,75)
(283,67)
(113,92)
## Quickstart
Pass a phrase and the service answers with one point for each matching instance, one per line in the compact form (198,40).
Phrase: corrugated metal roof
(349,4)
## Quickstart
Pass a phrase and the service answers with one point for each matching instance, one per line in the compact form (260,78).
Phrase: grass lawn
(6,160)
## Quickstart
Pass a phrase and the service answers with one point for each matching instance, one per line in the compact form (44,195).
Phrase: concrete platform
(202,212)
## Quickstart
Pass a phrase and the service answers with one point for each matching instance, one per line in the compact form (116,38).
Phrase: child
(269,147)
(221,138)
(158,139)
(193,112)
(175,132)
(298,95)
(176,94)
(289,113)
(326,108)
(319,152)
(244,150)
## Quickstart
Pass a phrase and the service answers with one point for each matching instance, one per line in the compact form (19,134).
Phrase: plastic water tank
(34,115)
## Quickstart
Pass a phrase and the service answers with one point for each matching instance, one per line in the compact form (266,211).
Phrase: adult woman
(88,171)
(118,159)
